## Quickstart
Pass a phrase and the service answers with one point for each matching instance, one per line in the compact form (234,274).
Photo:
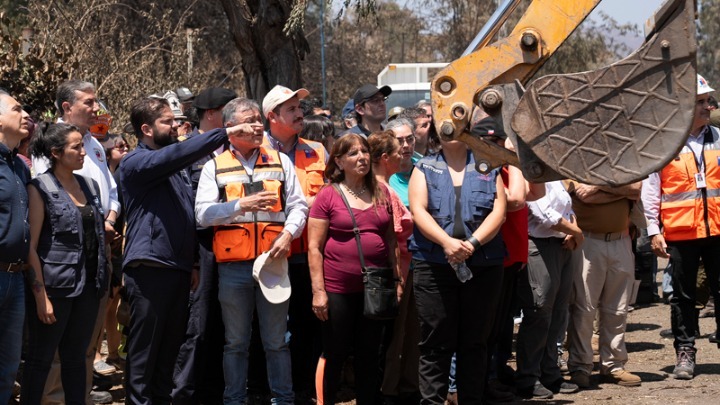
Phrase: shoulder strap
(91,193)
(88,186)
(48,183)
(356,230)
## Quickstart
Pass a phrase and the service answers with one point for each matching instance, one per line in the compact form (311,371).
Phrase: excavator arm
(612,126)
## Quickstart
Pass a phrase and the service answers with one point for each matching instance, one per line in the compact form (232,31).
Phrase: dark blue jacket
(61,247)
(477,199)
(158,201)
(14,228)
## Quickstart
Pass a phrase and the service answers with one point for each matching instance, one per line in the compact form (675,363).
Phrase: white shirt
(95,167)
(651,187)
(547,211)
(209,211)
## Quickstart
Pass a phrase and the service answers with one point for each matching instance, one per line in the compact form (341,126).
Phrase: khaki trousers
(604,286)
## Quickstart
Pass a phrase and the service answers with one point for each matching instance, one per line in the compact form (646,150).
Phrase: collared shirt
(210,211)
(14,228)
(547,211)
(651,187)
(95,167)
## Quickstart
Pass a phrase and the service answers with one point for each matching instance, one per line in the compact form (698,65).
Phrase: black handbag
(380,294)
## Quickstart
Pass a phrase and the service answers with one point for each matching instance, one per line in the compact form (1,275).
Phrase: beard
(165,139)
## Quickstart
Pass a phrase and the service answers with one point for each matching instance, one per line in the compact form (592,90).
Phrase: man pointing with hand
(253,198)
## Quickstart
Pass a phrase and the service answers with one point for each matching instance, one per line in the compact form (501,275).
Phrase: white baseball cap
(702,86)
(272,275)
(280,94)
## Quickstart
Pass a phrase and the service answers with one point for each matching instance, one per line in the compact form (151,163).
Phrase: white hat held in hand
(272,275)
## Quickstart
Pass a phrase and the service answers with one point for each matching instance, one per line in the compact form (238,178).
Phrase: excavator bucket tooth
(615,125)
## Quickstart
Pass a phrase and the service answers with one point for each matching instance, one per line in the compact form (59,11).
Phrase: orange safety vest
(686,211)
(251,233)
(310,169)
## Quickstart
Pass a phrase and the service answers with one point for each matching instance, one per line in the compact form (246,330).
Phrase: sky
(632,11)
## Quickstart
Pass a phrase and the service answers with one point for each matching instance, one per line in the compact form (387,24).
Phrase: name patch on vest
(431,168)
(266,159)
(309,153)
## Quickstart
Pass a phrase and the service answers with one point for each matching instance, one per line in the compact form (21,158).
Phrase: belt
(12,267)
(607,237)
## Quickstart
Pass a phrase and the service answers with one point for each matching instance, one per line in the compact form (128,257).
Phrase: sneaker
(562,387)
(537,391)
(580,378)
(101,397)
(685,365)
(562,364)
(102,368)
(623,378)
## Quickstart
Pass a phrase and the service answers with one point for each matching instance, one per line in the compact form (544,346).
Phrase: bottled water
(462,271)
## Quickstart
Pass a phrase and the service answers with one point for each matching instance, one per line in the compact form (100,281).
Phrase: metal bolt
(458,112)
(446,86)
(665,44)
(447,128)
(534,170)
(529,41)
(491,99)
(483,167)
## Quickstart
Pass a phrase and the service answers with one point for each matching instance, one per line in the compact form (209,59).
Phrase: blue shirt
(14,228)
(400,180)
(158,195)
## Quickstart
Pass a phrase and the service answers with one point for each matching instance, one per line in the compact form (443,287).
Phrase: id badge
(700,180)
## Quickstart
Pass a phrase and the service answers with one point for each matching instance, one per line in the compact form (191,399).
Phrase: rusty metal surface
(615,125)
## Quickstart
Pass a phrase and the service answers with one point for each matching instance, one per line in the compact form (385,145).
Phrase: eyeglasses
(121,146)
(410,139)
(376,100)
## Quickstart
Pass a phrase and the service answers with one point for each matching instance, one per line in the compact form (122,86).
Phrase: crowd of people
(236,247)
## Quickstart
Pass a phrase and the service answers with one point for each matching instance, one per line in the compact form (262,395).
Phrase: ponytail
(50,137)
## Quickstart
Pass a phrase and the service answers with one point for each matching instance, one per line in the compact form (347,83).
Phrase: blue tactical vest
(61,243)
(477,199)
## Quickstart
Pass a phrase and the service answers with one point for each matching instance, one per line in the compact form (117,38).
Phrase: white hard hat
(702,86)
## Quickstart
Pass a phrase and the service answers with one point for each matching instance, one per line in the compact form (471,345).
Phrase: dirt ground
(652,358)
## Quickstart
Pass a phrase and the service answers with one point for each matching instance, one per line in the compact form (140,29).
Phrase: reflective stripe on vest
(250,234)
(310,169)
(686,212)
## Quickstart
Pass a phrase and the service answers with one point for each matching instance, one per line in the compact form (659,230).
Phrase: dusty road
(651,357)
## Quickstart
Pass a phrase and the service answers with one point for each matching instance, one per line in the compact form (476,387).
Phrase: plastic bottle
(462,271)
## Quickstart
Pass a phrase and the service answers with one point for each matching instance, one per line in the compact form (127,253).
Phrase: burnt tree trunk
(269,56)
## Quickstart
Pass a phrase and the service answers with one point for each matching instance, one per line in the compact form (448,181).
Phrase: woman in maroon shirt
(335,269)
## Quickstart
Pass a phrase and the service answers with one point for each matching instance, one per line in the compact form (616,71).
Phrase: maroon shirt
(341,261)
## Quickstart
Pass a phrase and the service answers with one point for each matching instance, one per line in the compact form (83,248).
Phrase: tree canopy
(131,48)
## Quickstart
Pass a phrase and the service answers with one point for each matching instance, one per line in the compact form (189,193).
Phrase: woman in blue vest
(68,265)
(458,213)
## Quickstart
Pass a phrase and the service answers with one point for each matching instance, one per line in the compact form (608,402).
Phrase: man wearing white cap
(281,107)
(682,206)
(251,195)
